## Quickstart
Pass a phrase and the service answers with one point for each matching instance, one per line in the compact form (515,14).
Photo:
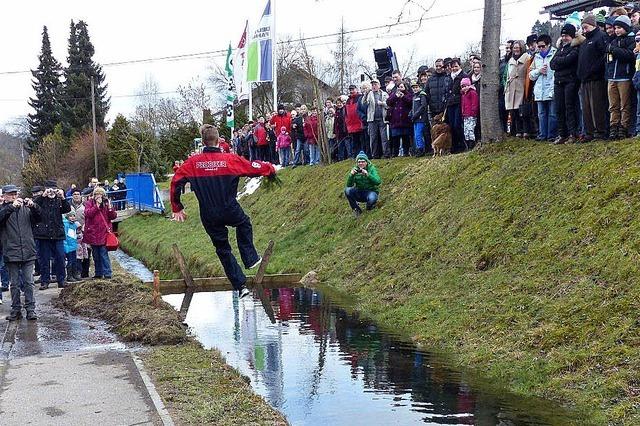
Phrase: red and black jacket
(214,177)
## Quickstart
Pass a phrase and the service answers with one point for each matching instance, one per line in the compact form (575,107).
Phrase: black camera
(358,170)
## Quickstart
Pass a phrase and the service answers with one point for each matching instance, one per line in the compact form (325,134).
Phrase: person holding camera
(363,184)
(17,217)
(50,233)
(98,215)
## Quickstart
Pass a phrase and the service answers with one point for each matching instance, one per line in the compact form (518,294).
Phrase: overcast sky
(127,30)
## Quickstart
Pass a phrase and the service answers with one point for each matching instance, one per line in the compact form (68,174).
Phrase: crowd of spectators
(580,87)
(52,235)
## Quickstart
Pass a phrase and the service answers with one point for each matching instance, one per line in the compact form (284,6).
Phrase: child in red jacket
(470,104)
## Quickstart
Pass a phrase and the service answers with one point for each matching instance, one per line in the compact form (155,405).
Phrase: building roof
(566,7)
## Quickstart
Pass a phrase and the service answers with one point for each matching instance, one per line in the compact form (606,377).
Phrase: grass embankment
(521,259)
(196,384)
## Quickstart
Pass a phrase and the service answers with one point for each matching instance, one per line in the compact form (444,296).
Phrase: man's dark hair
(76,190)
(545,38)
(396,72)
(456,61)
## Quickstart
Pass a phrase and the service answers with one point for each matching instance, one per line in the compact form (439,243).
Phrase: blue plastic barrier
(143,192)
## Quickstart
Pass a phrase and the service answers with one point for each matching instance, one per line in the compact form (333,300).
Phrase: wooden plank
(186,303)
(182,264)
(223,284)
(263,265)
(257,282)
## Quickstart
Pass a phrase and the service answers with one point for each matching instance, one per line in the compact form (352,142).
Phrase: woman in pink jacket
(470,104)
(98,215)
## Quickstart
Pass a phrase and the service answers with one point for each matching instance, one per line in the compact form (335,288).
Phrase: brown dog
(441,136)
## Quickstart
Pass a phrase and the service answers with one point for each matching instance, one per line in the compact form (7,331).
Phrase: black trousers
(216,227)
(566,97)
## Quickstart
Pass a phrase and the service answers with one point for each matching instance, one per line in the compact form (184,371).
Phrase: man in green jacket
(363,182)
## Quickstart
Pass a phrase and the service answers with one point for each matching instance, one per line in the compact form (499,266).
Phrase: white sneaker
(244,291)
(257,263)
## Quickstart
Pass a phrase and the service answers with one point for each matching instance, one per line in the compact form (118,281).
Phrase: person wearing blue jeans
(419,117)
(547,121)
(542,72)
(363,183)
(4,276)
(101,261)
(52,249)
(302,147)
(50,233)
(314,154)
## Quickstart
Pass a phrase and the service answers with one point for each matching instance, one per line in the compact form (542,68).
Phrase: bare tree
(489,114)
(193,98)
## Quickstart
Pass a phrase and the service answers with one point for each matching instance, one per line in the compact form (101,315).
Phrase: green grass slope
(520,259)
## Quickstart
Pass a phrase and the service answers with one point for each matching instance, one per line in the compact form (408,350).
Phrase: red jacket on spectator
(224,146)
(97,220)
(470,103)
(353,120)
(260,134)
(311,129)
(278,121)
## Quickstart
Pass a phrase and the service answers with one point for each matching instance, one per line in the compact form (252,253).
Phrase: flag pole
(274,57)
(250,101)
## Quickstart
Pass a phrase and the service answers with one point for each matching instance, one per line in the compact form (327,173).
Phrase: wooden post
(257,282)
(156,288)
(182,264)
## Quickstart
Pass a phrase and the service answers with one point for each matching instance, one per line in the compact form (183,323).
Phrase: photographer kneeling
(362,184)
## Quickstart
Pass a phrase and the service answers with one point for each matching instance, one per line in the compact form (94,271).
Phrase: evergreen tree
(121,147)
(77,85)
(46,84)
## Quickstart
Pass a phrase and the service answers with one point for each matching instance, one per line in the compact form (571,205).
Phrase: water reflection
(320,364)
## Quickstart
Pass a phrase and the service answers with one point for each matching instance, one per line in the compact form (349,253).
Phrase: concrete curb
(162,411)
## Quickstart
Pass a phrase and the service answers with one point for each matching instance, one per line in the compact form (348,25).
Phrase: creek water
(322,363)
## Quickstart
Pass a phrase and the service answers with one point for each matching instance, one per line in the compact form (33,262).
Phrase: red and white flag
(240,66)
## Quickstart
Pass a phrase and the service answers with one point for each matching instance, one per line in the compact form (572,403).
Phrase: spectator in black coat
(593,86)
(49,233)
(17,216)
(565,65)
(437,90)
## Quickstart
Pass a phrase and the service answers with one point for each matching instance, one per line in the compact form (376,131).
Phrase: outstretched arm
(243,167)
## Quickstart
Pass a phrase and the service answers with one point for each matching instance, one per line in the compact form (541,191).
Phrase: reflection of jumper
(214,177)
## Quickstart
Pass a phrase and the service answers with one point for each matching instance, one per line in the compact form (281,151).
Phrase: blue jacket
(70,231)
(543,89)
(620,58)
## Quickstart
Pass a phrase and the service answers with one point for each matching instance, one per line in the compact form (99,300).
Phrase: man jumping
(214,177)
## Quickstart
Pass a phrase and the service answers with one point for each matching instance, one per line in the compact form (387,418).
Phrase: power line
(221,52)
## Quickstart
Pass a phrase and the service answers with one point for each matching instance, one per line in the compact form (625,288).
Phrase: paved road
(63,370)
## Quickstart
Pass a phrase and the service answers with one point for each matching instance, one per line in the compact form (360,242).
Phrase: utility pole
(95,136)
(342,56)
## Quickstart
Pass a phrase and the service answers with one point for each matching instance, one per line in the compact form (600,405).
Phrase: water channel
(322,363)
